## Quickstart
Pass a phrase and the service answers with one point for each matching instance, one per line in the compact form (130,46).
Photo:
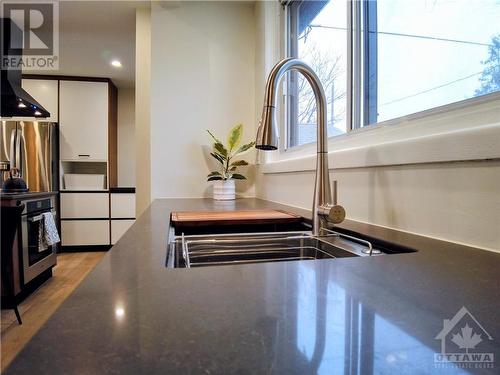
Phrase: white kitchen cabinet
(123,205)
(84,205)
(118,228)
(83,120)
(44,92)
(84,232)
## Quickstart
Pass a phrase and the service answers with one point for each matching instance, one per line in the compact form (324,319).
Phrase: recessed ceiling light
(119,312)
(38,113)
(21,105)
(116,63)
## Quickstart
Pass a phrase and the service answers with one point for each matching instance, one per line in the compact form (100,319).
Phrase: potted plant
(224,188)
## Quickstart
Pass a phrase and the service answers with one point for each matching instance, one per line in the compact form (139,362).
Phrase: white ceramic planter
(224,190)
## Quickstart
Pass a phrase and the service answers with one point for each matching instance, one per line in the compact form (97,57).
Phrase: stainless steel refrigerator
(33,148)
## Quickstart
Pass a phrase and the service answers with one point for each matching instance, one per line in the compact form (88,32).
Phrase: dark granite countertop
(131,315)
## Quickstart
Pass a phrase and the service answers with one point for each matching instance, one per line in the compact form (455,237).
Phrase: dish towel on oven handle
(49,235)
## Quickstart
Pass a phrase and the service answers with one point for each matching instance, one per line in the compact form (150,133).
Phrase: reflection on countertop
(353,316)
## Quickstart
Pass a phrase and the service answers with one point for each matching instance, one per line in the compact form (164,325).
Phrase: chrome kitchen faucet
(324,207)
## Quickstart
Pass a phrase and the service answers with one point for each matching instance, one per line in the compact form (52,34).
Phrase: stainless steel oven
(35,258)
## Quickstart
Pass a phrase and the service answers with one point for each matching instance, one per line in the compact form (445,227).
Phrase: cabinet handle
(84,155)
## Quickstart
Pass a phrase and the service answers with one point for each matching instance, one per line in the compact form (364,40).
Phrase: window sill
(470,131)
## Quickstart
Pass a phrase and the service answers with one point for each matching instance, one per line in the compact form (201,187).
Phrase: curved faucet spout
(267,133)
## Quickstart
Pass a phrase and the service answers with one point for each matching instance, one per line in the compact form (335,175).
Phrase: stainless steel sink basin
(218,250)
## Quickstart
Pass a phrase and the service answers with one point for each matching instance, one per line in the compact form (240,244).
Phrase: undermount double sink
(223,249)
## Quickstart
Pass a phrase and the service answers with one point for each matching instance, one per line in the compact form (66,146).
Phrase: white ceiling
(92,33)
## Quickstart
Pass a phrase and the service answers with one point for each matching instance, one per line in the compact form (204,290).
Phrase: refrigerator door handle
(12,148)
(17,150)
(22,161)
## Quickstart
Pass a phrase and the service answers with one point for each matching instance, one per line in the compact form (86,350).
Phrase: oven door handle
(35,218)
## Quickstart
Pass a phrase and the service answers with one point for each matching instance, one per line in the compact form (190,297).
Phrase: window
(399,58)
(318,35)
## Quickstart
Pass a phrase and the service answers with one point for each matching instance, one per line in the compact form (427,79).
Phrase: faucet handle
(334,212)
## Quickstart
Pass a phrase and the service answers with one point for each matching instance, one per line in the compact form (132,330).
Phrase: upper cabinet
(84,120)
(44,92)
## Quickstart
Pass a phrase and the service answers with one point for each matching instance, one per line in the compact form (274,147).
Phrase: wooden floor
(71,269)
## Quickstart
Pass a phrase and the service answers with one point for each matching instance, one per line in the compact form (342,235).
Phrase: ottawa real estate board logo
(463,340)
(30,35)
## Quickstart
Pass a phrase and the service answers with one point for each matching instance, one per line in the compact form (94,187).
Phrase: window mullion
(349,88)
(355,57)
(369,62)
(291,137)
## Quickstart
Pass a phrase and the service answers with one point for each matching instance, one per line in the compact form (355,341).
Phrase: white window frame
(459,131)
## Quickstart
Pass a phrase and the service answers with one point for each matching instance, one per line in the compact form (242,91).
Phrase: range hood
(14,100)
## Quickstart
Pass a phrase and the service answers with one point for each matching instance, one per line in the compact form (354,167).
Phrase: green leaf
(216,140)
(239,163)
(214,173)
(232,169)
(220,149)
(244,148)
(214,178)
(234,138)
(238,176)
(218,157)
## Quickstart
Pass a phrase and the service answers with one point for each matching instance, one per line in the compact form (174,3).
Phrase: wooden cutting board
(203,218)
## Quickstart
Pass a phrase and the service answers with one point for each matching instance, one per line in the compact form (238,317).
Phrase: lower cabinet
(84,232)
(84,205)
(122,203)
(95,218)
(118,228)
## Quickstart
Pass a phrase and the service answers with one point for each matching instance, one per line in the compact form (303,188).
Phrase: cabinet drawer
(123,206)
(84,232)
(118,228)
(84,205)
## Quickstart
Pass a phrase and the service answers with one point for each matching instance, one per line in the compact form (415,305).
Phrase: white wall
(142,109)
(126,137)
(458,202)
(202,77)
(208,70)
(454,201)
